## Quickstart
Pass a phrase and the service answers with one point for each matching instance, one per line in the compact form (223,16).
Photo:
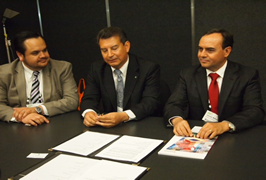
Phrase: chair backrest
(164,95)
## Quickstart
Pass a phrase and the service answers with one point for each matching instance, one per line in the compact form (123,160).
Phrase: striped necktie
(35,91)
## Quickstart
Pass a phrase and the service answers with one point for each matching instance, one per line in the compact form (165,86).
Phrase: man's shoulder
(9,67)
(139,59)
(141,62)
(240,68)
(98,66)
(192,69)
(59,64)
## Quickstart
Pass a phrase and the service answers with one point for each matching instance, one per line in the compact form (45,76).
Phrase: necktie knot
(214,76)
(36,73)
(118,73)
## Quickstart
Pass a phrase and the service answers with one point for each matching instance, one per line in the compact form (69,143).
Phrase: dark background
(159,31)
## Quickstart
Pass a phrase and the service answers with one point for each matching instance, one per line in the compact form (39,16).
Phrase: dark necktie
(35,91)
(119,88)
(214,93)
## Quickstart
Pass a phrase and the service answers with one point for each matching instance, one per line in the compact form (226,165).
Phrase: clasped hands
(29,116)
(208,131)
(106,120)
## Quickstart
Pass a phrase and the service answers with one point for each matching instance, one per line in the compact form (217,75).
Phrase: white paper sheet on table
(68,167)
(129,148)
(86,143)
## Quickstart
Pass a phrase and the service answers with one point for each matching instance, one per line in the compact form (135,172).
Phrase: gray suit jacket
(59,88)
(240,99)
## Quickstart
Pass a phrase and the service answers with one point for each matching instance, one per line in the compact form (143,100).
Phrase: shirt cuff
(13,119)
(45,112)
(232,127)
(170,120)
(131,115)
(87,110)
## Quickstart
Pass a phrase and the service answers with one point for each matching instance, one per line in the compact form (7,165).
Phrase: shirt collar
(220,71)
(27,70)
(123,69)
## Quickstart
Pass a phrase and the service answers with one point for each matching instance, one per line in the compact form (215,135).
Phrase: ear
(20,56)
(227,51)
(127,46)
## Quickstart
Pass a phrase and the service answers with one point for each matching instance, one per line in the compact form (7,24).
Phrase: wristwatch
(38,110)
(232,127)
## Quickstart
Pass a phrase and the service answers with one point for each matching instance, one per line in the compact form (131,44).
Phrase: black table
(233,156)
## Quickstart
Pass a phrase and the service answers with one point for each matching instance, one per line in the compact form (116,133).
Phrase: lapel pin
(135,77)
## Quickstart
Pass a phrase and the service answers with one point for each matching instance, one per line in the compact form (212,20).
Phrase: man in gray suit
(34,85)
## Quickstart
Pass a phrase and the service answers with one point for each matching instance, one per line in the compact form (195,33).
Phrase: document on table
(129,148)
(86,143)
(68,167)
(188,147)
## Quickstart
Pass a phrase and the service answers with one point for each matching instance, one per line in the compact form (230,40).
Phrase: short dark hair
(228,38)
(112,31)
(23,36)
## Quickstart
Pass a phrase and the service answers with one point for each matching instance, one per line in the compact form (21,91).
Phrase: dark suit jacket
(141,93)
(59,88)
(240,99)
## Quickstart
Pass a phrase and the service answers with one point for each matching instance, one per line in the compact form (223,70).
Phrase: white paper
(67,167)
(86,143)
(129,148)
(37,155)
(196,129)
(108,170)
(62,167)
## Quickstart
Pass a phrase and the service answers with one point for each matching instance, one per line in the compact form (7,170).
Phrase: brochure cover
(188,147)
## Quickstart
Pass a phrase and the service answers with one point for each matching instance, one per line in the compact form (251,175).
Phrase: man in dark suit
(239,102)
(54,91)
(137,85)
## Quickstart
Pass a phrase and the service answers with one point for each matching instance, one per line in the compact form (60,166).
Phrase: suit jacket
(59,88)
(142,88)
(240,99)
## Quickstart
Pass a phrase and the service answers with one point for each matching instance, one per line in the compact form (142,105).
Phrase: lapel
(47,82)
(20,83)
(108,83)
(131,79)
(230,76)
(201,84)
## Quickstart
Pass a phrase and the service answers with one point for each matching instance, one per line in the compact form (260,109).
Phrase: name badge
(210,117)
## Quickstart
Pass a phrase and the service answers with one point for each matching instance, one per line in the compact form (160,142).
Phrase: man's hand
(112,119)
(210,130)
(35,119)
(21,113)
(90,119)
(181,127)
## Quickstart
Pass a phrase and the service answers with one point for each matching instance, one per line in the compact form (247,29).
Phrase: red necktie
(214,93)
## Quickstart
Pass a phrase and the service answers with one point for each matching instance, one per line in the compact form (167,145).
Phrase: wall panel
(159,31)
(70,28)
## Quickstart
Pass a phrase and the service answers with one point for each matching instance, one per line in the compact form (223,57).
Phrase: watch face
(38,110)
